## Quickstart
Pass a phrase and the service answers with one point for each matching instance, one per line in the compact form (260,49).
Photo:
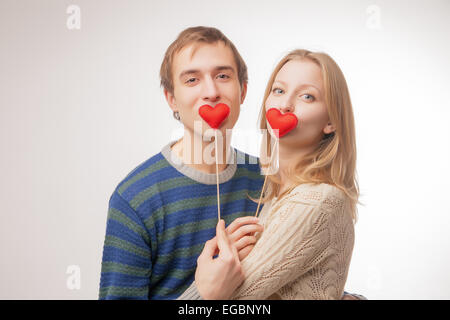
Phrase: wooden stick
(260,197)
(217,175)
(265,180)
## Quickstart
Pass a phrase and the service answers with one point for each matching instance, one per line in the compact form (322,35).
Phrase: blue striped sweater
(160,217)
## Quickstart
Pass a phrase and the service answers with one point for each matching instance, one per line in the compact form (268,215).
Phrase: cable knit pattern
(305,249)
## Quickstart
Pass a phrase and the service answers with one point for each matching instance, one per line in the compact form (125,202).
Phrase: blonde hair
(199,34)
(333,161)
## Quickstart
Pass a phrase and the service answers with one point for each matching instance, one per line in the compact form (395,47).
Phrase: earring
(176,115)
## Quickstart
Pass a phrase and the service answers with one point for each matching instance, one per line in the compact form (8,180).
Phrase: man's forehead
(192,57)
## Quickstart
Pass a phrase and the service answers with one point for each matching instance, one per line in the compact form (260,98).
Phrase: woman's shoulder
(316,193)
(322,199)
(312,195)
(311,203)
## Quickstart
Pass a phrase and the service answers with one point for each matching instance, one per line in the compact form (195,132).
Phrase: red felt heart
(214,116)
(283,122)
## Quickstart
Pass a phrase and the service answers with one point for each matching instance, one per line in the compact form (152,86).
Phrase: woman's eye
(277,91)
(308,97)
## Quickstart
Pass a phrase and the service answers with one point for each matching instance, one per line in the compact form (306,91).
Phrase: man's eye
(277,91)
(191,80)
(308,97)
(223,76)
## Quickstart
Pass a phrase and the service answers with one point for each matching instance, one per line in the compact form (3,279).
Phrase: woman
(305,249)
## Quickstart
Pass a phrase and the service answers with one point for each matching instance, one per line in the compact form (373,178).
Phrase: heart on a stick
(214,116)
(283,122)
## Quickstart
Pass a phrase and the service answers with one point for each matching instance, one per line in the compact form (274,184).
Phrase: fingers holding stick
(227,251)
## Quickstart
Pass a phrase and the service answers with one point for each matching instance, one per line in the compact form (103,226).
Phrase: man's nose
(210,91)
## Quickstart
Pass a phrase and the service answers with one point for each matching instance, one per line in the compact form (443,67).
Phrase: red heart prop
(214,116)
(283,122)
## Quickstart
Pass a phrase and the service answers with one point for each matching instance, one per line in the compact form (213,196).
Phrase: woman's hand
(241,233)
(218,278)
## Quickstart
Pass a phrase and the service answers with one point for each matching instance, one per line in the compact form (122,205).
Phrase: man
(162,213)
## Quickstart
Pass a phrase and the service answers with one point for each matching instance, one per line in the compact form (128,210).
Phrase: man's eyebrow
(194,71)
(221,68)
(186,72)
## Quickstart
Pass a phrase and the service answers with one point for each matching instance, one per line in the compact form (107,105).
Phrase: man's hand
(218,278)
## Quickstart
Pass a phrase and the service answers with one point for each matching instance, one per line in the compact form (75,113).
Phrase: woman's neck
(288,156)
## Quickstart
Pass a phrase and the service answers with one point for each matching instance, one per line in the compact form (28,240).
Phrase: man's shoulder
(152,169)
(246,160)
(248,167)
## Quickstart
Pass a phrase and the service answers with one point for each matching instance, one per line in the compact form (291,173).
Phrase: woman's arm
(298,238)
(218,278)
(191,293)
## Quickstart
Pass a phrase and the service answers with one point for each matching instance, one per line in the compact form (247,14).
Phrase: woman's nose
(288,104)
(287,108)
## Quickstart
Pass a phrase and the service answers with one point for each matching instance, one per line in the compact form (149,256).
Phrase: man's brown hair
(203,35)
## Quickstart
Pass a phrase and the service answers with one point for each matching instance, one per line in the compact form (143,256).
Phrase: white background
(81,108)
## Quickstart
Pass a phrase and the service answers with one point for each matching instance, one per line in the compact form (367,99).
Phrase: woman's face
(298,88)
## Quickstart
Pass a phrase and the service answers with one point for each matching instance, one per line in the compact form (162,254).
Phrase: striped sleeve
(126,262)
(191,293)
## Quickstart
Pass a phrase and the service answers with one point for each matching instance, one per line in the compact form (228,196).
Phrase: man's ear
(170,98)
(243,92)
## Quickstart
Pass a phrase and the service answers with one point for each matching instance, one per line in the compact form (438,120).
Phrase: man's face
(205,74)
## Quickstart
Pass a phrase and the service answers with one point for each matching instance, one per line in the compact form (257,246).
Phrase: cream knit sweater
(305,249)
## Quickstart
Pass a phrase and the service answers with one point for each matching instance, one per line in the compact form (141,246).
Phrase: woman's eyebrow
(305,85)
(308,85)
(280,82)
